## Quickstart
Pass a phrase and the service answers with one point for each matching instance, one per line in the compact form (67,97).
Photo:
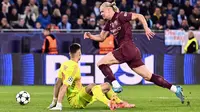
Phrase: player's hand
(149,33)
(87,35)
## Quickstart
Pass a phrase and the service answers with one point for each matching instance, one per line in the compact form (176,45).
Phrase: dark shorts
(129,54)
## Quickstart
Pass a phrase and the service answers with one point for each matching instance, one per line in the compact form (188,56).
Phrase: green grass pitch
(147,99)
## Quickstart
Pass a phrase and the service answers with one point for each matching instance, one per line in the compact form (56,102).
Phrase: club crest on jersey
(125,14)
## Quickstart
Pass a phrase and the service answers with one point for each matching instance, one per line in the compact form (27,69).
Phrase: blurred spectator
(84,9)
(149,21)
(72,18)
(159,3)
(170,9)
(193,2)
(96,9)
(57,5)
(21,24)
(34,8)
(185,26)
(125,7)
(6,4)
(38,25)
(92,24)
(174,21)
(100,24)
(195,18)
(44,18)
(192,44)
(147,8)
(45,5)
(13,17)
(3,13)
(181,16)
(155,11)
(158,19)
(29,17)
(170,25)
(5,24)
(178,3)
(73,9)
(79,24)
(197,4)
(136,7)
(56,16)
(65,23)
(187,8)
(20,6)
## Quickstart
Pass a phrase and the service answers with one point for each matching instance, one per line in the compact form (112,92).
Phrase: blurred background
(25,59)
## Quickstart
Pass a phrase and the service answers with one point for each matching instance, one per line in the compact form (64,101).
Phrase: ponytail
(112,5)
(115,8)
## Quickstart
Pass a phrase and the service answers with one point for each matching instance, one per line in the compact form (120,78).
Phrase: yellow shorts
(81,99)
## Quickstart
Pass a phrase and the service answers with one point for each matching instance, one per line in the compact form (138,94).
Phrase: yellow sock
(99,95)
(111,93)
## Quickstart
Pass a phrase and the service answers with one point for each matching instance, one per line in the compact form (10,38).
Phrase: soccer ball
(23,97)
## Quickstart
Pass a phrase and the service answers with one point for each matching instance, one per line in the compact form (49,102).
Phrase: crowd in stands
(85,14)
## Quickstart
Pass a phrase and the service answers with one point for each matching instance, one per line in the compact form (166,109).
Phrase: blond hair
(112,5)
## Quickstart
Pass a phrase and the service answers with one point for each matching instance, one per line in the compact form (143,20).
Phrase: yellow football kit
(76,95)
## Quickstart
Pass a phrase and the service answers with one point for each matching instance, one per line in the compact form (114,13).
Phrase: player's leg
(57,86)
(141,69)
(104,66)
(96,92)
(107,90)
(110,94)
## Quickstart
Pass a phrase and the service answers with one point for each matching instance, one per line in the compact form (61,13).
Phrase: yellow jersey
(70,74)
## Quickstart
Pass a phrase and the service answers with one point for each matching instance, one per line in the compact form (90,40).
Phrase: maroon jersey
(120,27)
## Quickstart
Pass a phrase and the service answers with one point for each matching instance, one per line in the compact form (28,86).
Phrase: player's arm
(141,18)
(62,92)
(68,78)
(101,37)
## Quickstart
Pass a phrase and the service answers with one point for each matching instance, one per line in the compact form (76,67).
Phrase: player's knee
(105,86)
(89,87)
(147,77)
(92,85)
(99,63)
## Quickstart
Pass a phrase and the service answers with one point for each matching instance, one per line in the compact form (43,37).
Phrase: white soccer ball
(23,97)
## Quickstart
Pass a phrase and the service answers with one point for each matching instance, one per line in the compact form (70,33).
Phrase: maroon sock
(105,69)
(160,81)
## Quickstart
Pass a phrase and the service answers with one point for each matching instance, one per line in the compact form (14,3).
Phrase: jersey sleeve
(106,26)
(125,17)
(69,73)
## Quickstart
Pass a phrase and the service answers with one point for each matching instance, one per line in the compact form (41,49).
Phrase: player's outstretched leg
(110,94)
(104,66)
(99,95)
(160,81)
